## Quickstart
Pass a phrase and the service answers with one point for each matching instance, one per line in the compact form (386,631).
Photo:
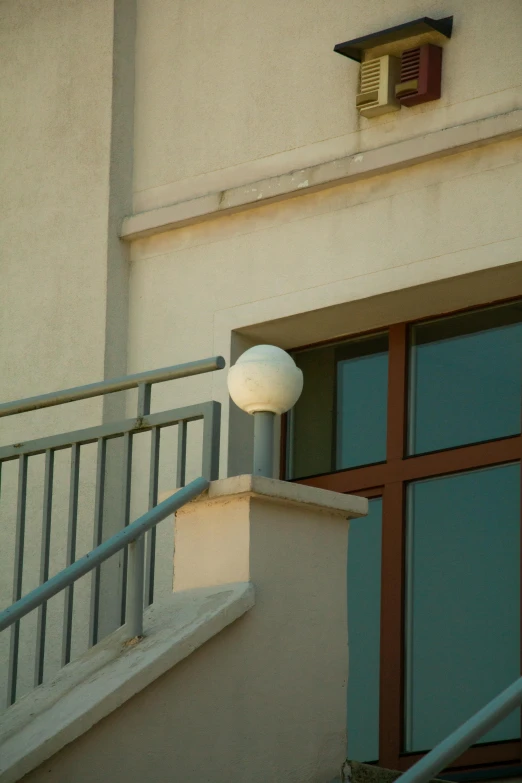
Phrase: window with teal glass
(424,419)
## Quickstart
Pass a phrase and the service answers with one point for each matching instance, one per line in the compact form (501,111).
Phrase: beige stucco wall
(56,92)
(63,297)
(225,90)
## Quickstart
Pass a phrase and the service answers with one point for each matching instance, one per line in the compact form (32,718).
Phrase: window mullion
(393,543)
(392,623)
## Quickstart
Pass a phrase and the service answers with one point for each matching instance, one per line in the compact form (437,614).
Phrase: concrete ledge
(356,772)
(346,506)
(352,168)
(86,691)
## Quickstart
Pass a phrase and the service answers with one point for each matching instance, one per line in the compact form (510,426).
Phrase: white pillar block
(282,673)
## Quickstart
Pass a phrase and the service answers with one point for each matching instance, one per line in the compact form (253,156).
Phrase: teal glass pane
(362,393)
(310,422)
(340,419)
(364,612)
(465,379)
(462,601)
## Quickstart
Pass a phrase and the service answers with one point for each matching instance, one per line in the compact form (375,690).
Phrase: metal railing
(141,380)
(129,536)
(141,552)
(462,738)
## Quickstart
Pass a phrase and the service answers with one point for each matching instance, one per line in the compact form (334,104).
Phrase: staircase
(226,675)
(239,673)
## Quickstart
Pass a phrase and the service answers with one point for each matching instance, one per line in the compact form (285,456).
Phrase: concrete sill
(87,690)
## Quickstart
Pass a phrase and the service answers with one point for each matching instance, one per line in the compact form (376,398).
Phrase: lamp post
(264,382)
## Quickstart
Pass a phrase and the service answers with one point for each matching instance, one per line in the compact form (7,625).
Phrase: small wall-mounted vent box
(377,86)
(420,76)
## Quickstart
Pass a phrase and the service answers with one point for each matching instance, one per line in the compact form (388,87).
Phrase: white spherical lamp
(264,382)
(265,378)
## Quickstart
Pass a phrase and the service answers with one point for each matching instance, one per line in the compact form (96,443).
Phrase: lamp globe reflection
(264,382)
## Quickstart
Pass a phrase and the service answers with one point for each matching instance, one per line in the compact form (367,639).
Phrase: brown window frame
(388,480)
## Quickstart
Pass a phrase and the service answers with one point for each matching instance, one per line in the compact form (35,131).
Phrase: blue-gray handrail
(462,738)
(129,536)
(142,380)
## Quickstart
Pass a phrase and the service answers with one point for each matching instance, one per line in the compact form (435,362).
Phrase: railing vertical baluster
(127,477)
(135,584)
(144,394)
(72,525)
(153,500)
(12,676)
(97,540)
(211,434)
(44,564)
(181,462)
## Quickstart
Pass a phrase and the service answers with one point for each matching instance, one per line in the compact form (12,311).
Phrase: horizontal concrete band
(438,144)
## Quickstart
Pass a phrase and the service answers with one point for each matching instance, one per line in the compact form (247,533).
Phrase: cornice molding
(352,168)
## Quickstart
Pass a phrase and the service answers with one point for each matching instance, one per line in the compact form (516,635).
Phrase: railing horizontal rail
(111,386)
(93,559)
(112,430)
(466,735)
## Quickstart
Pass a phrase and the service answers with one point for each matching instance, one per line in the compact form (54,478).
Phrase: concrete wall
(56,61)
(67,90)
(225,90)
